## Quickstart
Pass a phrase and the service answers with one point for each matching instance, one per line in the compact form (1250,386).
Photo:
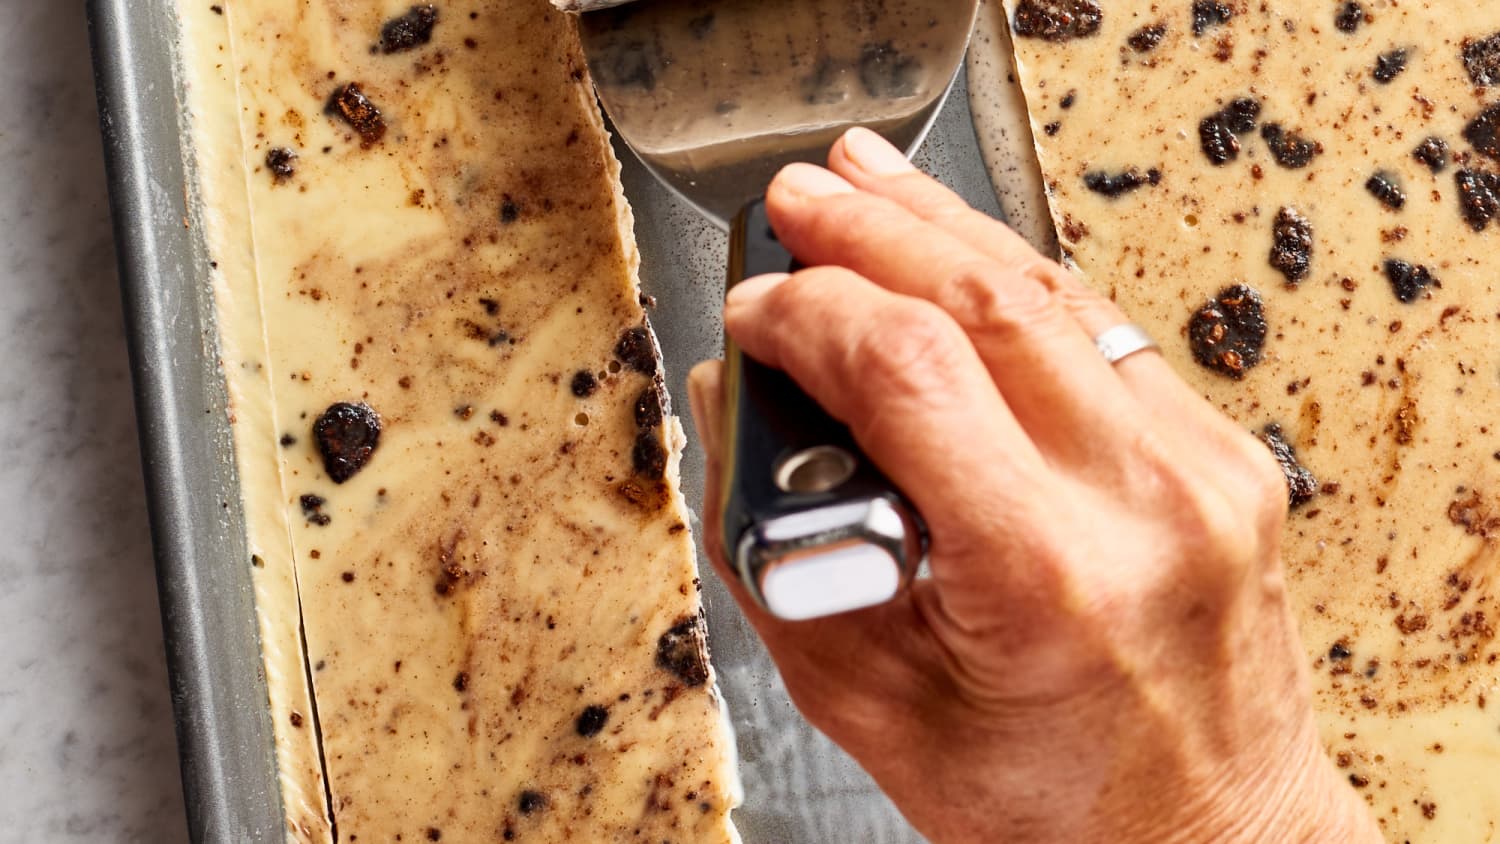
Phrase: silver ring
(1122,341)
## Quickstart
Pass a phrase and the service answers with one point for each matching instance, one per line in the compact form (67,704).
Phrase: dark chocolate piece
(531,801)
(1408,281)
(1301,485)
(1057,20)
(683,652)
(1383,187)
(648,457)
(1147,38)
(591,721)
(648,409)
(1482,60)
(1292,244)
(1339,652)
(282,162)
(350,103)
(312,510)
(1389,65)
(1484,132)
(1433,152)
(1219,132)
(509,211)
(1113,185)
(347,435)
(1208,14)
(887,74)
(1228,333)
(584,384)
(1349,17)
(1289,149)
(636,350)
(1240,115)
(409,31)
(1479,197)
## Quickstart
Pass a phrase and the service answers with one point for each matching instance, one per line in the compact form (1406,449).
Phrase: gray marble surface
(86,745)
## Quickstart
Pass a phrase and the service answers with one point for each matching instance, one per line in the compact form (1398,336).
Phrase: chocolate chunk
(1289,149)
(1219,143)
(627,64)
(636,350)
(591,721)
(509,211)
(1482,60)
(1484,132)
(1208,14)
(1113,185)
(1383,187)
(1389,65)
(1433,152)
(648,409)
(350,103)
(1292,244)
(1479,197)
(648,457)
(1147,38)
(1240,115)
(531,801)
(282,163)
(409,31)
(887,74)
(584,384)
(1301,485)
(1339,652)
(1350,16)
(1218,133)
(1228,333)
(683,652)
(347,435)
(821,86)
(312,509)
(1408,281)
(1057,20)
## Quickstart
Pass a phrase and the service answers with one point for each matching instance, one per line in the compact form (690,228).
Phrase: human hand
(1104,651)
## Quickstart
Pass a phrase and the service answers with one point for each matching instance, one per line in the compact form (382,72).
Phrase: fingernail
(873,154)
(810,182)
(751,289)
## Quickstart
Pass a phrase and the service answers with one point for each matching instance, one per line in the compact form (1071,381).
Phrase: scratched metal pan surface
(800,787)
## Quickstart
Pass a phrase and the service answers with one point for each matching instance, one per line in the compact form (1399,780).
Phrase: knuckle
(803,296)
(1216,536)
(989,299)
(910,348)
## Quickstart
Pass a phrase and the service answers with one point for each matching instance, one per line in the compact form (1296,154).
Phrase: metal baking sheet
(800,788)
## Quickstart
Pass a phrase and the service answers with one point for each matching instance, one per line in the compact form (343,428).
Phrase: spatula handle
(811,525)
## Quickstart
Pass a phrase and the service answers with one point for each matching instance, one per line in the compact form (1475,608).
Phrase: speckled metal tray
(800,787)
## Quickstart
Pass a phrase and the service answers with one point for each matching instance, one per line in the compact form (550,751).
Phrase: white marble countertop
(86,745)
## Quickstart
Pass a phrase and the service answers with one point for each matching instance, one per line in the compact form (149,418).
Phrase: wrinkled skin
(1104,652)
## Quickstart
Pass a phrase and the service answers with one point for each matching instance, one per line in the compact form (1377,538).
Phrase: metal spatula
(715,96)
